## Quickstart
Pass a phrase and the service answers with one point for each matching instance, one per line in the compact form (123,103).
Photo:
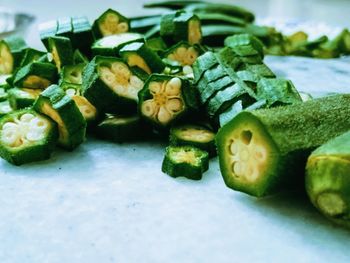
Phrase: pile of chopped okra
(195,76)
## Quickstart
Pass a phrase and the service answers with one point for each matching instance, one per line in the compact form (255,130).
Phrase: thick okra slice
(327,179)
(137,54)
(22,98)
(110,45)
(111,86)
(181,26)
(193,135)
(61,108)
(82,38)
(264,151)
(61,50)
(5,108)
(183,53)
(64,27)
(11,53)
(245,45)
(157,44)
(36,75)
(166,98)
(110,23)
(186,161)
(31,55)
(72,73)
(46,30)
(26,136)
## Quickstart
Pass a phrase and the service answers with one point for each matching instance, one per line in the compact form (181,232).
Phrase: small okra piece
(36,75)
(72,73)
(183,53)
(181,26)
(56,104)
(82,38)
(11,54)
(27,136)
(64,27)
(61,50)
(111,85)
(5,108)
(22,98)
(137,54)
(31,55)
(193,135)
(245,45)
(165,99)
(186,161)
(109,23)
(46,30)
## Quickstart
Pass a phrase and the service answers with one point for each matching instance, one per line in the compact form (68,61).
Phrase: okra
(137,54)
(82,38)
(61,50)
(111,86)
(26,136)
(61,108)
(187,161)
(36,75)
(183,53)
(327,179)
(110,23)
(264,151)
(5,108)
(46,30)
(165,99)
(11,53)
(79,58)
(64,27)
(157,44)
(72,73)
(245,45)
(22,98)
(193,135)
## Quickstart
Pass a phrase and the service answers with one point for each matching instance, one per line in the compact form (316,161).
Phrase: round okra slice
(22,98)
(186,161)
(110,45)
(193,135)
(61,50)
(36,75)
(183,53)
(27,136)
(111,86)
(165,98)
(72,73)
(109,23)
(61,108)
(137,54)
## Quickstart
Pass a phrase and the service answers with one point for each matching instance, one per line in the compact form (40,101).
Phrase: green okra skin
(31,55)
(46,30)
(64,27)
(11,54)
(157,44)
(36,75)
(56,104)
(82,38)
(187,161)
(22,98)
(327,179)
(183,53)
(79,57)
(265,151)
(61,50)
(27,136)
(111,85)
(245,45)
(137,54)
(109,23)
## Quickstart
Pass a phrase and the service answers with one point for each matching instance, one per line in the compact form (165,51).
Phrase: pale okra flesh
(26,136)
(182,53)
(6,59)
(110,23)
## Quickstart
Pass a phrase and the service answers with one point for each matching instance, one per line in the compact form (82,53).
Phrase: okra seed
(136,82)
(173,87)
(259,153)
(123,27)
(9,126)
(148,108)
(181,52)
(27,117)
(237,168)
(155,87)
(163,115)
(174,105)
(246,137)
(111,18)
(234,148)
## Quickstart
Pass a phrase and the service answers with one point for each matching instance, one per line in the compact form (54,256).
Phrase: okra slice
(181,26)
(183,53)
(72,73)
(82,38)
(61,108)
(186,161)
(245,45)
(5,108)
(64,27)
(111,86)
(26,136)
(61,50)
(157,44)
(22,98)
(11,54)
(327,179)
(165,98)
(265,151)
(110,45)
(36,75)
(193,135)
(109,23)
(137,54)
(31,55)
(46,30)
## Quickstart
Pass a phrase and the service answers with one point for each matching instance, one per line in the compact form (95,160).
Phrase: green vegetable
(183,53)
(157,44)
(82,38)
(193,135)
(72,73)
(263,151)
(245,45)
(111,86)
(11,53)
(22,98)
(64,27)
(61,108)
(327,179)
(185,161)
(46,30)
(26,136)
(61,50)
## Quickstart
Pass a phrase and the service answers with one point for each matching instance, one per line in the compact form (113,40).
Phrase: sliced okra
(165,98)
(72,73)
(183,53)
(61,108)
(26,136)
(61,50)
(36,75)
(82,38)
(186,161)
(111,86)
(245,45)
(31,55)
(79,58)
(64,27)
(11,53)
(157,44)
(109,23)
(46,30)
(22,98)
(139,55)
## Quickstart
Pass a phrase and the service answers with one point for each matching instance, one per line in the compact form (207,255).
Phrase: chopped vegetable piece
(31,55)
(64,27)
(264,151)
(72,73)
(327,179)
(22,98)
(26,136)
(11,53)
(47,29)
(79,58)
(186,161)
(61,50)
(245,45)
(183,53)
(61,108)
(88,110)
(82,38)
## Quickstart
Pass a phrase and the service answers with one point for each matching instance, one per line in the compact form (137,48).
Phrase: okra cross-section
(186,161)
(111,86)
(26,136)
(61,50)
(183,53)
(165,99)
(61,108)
